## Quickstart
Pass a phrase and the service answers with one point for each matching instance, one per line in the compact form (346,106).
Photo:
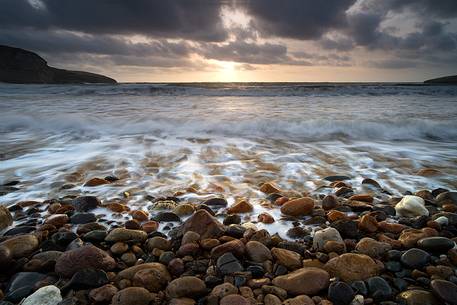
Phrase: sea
(200,140)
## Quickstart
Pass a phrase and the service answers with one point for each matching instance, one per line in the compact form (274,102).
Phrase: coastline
(99,251)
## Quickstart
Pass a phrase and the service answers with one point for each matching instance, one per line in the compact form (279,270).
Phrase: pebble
(203,223)
(415,258)
(132,296)
(153,279)
(445,290)
(347,267)
(418,297)
(228,264)
(340,293)
(372,248)
(124,235)
(83,217)
(241,206)
(300,300)
(234,299)
(298,207)
(329,202)
(103,294)
(85,203)
(325,235)
(84,257)
(48,295)
(21,245)
(186,286)
(290,259)
(223,290)
(379,289)
(6,219)
(258,252)
(411,206)
(316,280)
(436,244)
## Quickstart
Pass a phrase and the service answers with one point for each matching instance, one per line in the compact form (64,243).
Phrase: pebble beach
(146,204)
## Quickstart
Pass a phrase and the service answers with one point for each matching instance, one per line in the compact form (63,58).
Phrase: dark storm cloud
(300,19)
(245,52)
(192,19)
(439,8)
(69,42)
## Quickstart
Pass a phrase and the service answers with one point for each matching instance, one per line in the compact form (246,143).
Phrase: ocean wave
(236,89)
(310,130)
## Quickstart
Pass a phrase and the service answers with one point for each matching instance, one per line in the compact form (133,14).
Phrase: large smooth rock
(48,295)
(411,206)
(186,286)
(21,245)
(348,267)
(294,283)
(84,257)
(132,296)
(6,219)
(325,235)
(203,223)
(445,290)
(124,235)
(298,207)
(257,251)
(436,244)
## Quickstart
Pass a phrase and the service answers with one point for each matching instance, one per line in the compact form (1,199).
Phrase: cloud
(245,52)
(299,19)
(190,19)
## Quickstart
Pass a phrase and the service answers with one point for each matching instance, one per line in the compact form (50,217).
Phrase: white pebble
(48,295)
(411,206)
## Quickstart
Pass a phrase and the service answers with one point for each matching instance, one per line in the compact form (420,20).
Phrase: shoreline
(93,251)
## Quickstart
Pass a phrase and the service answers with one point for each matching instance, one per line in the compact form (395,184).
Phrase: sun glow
(228,71)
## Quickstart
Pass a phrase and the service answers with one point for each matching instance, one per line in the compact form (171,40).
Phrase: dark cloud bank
(174,31)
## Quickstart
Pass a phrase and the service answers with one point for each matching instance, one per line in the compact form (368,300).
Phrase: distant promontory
(449,80)
(20,66)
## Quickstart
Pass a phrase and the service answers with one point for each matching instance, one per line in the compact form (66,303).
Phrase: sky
(239,40)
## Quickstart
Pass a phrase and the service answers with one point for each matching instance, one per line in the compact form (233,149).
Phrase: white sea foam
(223,139)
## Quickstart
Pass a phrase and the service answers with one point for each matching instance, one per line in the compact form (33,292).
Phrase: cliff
(450,80)
(24,67)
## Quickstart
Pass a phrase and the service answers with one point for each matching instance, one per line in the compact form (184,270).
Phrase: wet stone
(436,244)
(228,264)
(81,218)
(445,290)
(415,258)
(166,216)
(379,289)
(340,293)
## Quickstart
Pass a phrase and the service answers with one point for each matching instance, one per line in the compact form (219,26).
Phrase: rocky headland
(24,67)
(342,248)
(447,80)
